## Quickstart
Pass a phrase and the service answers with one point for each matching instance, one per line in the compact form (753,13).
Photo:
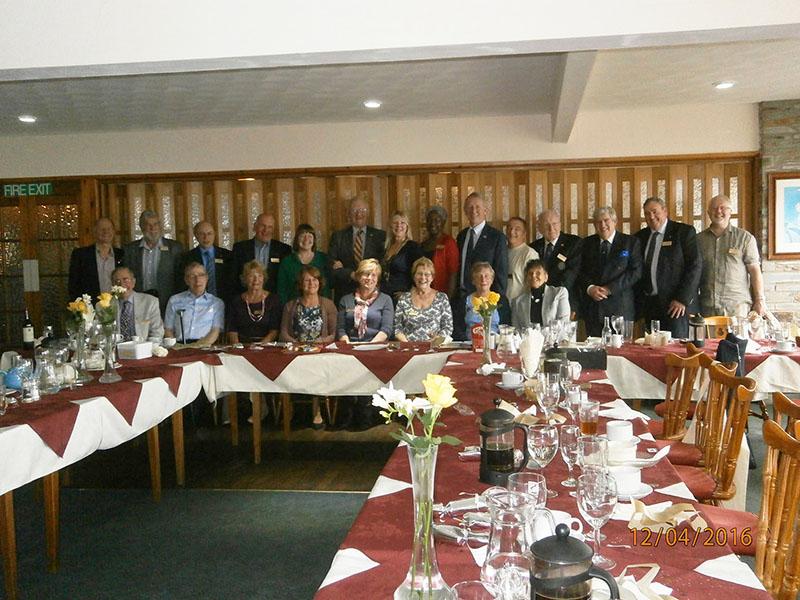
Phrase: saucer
(509,388)
(644,490)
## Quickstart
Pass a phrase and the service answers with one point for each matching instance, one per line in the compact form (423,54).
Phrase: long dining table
(374,557)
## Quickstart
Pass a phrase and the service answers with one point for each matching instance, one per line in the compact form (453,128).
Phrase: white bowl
(168,342)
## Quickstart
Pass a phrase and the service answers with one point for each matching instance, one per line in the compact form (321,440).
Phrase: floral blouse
(422,324)
(307,323)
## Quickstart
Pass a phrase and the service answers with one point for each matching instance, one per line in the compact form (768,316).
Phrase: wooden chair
(719,434)
(681,377)
(782,407)
(778,542)
(717,327)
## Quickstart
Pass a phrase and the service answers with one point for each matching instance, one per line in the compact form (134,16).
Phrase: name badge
(274,260)
(218,261)
(734,251)
(163,248)
(666,243)
(561,257)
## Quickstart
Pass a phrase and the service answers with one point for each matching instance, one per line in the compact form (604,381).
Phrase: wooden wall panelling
(536,182)
(592,198)
(506,197)
(455,207)
(337,216)
(345,192)
(284,213)
(677,198)
(183,225)
(662,184)
(609,190)
(571,199)
(467,183)
(733,175)
(317,215)
(487,187)
(253,206)
(520,200)
(644,187)
(697,194)
(136,204)
(406,201)
(626,196)
(423,202)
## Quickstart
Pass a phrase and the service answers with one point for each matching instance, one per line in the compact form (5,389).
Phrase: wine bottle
(27,332)
(606,334)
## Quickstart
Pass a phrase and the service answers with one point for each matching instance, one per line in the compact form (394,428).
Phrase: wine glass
(568,443)
(597,497)
(573,401)
(548,399)
(592,452)
(542,447)
(531,483)
(618,323)
(510,574)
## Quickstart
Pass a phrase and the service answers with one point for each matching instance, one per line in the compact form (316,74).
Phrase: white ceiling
(507,85)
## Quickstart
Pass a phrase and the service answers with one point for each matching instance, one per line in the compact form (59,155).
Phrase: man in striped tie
(139,313)
(351,245)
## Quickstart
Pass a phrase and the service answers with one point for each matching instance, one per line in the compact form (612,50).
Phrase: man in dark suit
(668,289)
(218,262)
(351,245)
(263,248)
(611,264)
(154,260)
(560,252)
(90,267)
(480,242)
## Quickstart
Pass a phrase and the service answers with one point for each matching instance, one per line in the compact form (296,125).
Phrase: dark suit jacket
(245,251)
(169,277)
(491,247)
(619,273)
(83,271)
(341,248)
(562,272)
(679,266)
(224,272)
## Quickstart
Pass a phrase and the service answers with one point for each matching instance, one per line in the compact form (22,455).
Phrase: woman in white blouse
(519,254)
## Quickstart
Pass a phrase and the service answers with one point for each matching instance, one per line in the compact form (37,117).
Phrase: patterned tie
(548,252)
(126,327)
(358,247)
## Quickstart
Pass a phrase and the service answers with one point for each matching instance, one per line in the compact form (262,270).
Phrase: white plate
(509,388)
(643,491)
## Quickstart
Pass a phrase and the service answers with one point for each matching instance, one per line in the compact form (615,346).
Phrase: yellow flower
(105,300)
(477,303)
(439,390)
(76,306)
(493,298)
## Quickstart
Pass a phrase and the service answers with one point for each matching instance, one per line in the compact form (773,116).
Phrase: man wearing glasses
(139,314)
(351,245)
(194,317)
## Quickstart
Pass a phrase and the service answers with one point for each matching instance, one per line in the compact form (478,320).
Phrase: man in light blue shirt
(195,317)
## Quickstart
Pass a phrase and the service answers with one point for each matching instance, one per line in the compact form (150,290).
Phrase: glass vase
(110,374)
(81,374)
(423,580)
(487,332)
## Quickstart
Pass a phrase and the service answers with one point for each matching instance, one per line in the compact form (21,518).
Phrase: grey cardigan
(380,317)
(555,305)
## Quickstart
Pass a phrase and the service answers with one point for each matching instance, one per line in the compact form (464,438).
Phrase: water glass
(629,331)
(589,416)
(597,497)
(568,443)
(510,574)
(572,400)
(474,590)
(592,452)
(655,326)
(618,323)
(548,400)
(533,484)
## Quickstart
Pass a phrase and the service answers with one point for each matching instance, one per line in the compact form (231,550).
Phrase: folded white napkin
(603,381)
(332,346)
(730,568)
(386,485)
(679,489)
(452,363)
(370,347)
(479,554)
(752,346)
(623,511)
(647,436)
(159,351)
(491,368)
(346,563)
(618,409)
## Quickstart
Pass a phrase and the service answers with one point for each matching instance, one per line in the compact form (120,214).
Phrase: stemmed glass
(592,452)
(618,323)
(533,484)
(572,401)
(548,399)
(597,497)
(568,443)
(542,447)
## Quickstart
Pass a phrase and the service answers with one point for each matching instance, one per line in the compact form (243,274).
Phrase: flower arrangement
(106,305)
(486,306)
(80,312)
(439,394)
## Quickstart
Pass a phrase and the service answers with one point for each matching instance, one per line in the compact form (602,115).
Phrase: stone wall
(780,151)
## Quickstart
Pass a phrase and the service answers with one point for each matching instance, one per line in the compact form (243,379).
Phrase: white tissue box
(134,350)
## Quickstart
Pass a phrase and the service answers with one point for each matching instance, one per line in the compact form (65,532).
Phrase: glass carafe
(506,343)
(46,369)
(511,514)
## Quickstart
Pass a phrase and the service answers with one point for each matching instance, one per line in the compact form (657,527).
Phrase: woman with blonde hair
(366,315)
(401,252)
(255,315)
(423,313)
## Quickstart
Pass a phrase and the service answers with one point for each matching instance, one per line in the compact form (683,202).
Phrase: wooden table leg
(286,402)
(255,399)
(51,518)
(155,462)
(177,443)
(233,415)
(8,544)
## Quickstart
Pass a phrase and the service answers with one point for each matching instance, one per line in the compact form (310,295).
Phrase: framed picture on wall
(784,216)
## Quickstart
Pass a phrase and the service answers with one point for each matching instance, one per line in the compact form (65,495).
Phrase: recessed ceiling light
(724,85)
(27,118)
(372,103)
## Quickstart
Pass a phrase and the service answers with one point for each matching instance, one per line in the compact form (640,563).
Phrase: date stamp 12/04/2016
(690,538)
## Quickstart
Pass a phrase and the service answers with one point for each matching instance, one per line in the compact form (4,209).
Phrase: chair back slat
(717,326)
(777,547)
(783,407)
(681,378)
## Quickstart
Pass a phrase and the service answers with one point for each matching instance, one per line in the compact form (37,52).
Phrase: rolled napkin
(491,368)
(346,563)
(159,351)
(648,517)
(386,485)
(618,409)
(632,589)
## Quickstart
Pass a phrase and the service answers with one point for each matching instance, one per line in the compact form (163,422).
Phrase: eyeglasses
(359,211)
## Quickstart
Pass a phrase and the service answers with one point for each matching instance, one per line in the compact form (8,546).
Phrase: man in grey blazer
(154,260)
(139,314)
(540,303)
(351,245)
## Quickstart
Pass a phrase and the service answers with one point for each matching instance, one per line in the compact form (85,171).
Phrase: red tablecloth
(383,528)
